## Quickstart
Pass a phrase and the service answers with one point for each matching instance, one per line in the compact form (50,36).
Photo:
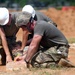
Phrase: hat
(22,18)
(29,9)
(4,17)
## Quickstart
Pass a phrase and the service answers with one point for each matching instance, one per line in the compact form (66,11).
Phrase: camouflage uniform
(49,56)
(54,43)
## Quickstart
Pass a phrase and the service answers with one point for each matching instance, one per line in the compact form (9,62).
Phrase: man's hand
(8,59)
(19,58)
(22,58)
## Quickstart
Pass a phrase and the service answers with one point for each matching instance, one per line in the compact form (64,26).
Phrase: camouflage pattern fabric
(46,57)
(17,53)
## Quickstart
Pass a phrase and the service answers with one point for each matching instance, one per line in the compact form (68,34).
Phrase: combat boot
(66,63)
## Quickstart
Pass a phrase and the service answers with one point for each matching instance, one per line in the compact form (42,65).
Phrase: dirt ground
(65,21)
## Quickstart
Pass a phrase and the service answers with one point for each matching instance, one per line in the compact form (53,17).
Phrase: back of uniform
(40,16)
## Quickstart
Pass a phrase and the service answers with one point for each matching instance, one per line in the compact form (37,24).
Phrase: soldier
(46,38)
(8,32)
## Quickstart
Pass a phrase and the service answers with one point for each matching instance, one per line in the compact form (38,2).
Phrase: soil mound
(65,19)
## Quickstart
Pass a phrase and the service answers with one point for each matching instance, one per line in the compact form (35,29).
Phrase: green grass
(71,40)
(52,70)
(59,8)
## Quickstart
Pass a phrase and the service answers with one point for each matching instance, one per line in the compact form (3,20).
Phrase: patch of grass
(52,67)
(55,67)
(45,73)
(59,8)
(71,40)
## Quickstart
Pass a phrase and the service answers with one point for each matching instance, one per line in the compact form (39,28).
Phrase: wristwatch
(27,62)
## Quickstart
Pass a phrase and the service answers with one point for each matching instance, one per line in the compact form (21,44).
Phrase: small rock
(15,65)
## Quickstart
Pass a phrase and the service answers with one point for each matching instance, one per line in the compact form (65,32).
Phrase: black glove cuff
(27,62)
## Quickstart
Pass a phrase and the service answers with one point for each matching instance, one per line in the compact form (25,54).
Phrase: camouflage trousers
(45,57)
